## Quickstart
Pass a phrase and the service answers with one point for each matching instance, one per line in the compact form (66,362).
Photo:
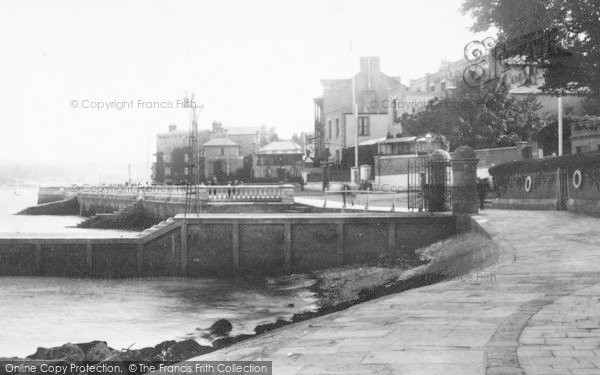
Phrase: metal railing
(364,199)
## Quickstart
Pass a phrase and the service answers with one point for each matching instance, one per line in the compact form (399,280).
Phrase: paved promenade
(537,311)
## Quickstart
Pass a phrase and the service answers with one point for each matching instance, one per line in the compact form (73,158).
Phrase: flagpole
(355,115)
(354,107)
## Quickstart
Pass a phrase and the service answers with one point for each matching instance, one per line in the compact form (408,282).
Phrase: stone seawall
(162,202)
(225,244)
(68,206)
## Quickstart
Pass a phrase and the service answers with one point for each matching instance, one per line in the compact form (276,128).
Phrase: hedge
(546,164)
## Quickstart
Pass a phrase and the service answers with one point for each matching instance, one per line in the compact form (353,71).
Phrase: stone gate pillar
(464,176)
(438,179)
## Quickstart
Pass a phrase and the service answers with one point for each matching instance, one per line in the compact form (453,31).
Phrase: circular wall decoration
(528,184)
(577,178)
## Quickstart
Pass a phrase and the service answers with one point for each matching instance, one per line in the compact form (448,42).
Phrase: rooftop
(243,130)
(369,142)
(281,147)
(220,142)
(398,140)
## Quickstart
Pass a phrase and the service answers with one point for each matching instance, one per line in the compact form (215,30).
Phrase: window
(443,86)
(580,149)
(329,129)
(222,150)
(337,156)
(363,126)
(337,127)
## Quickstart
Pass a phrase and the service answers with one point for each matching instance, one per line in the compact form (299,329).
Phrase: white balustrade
(225,193)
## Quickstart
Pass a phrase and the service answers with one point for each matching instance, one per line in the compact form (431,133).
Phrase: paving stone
(541,316)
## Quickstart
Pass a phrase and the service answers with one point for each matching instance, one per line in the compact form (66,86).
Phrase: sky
(248,63)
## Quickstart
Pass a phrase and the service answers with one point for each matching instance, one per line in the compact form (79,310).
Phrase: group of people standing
(214,182)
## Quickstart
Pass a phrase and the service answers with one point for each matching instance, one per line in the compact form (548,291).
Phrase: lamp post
(326,167)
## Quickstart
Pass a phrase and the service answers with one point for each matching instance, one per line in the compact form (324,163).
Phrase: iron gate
(429,185)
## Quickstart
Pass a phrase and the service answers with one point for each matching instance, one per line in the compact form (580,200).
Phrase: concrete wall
(47,194)
(488,157)
(545,191)
(225,244)
(67,257)
(68,206)
(271,244)
(94,203)
(391,170)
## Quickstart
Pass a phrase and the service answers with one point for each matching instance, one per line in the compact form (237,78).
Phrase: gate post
(437,180)
(464,176)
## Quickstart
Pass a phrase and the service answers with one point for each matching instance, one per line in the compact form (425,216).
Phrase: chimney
(369,64)
(172,127)
(217,127)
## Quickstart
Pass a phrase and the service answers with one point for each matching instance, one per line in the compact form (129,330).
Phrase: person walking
(347,195)
(483,187)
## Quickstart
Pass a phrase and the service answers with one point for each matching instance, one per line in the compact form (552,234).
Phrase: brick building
(410,99)
(172,150)
(172,155)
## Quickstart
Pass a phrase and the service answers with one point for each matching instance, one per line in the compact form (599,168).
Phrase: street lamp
(326,167)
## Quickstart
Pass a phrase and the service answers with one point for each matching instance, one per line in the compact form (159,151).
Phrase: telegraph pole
(192,195)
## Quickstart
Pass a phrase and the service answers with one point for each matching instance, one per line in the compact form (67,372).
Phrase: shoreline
(336,289)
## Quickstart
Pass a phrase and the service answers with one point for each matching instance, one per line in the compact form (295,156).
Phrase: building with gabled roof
(279,160)
(335,125)
(221,158)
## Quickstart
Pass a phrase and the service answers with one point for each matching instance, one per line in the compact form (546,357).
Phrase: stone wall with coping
(226,244)
(567,182)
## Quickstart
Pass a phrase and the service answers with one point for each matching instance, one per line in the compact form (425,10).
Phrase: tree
(296,139)
(480,117)
(547,138)
(577,67)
